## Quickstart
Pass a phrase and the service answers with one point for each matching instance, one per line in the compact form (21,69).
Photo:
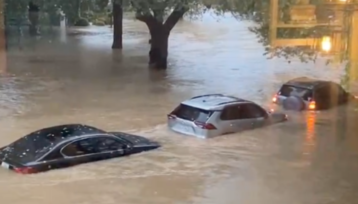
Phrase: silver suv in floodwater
(212,115)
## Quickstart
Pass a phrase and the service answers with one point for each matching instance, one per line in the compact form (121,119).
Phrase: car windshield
(288,90)
(34,145)
(191,113)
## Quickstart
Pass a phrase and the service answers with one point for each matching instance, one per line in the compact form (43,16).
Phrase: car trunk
(288,90)
(190,120)
(10,164)
(16,155)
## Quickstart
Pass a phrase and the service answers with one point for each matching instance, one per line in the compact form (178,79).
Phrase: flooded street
(312,159)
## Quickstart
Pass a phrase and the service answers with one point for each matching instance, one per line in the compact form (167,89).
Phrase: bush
(81,22)
(108,20)
(89,15)
(99,22)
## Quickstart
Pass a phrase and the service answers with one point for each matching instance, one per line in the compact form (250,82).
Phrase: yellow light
(326,44)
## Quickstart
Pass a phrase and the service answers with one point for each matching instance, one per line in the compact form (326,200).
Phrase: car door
(232,120)
(109,147)
(54,160)
(329,95)
(256,113)
(322,97)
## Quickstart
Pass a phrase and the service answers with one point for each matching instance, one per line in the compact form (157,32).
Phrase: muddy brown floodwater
(313,159)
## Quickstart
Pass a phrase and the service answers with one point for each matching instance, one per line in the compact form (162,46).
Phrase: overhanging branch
(148,19)
(174,17)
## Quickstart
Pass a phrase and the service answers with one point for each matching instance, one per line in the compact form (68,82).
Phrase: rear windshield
(287,91)
(26,149)
(191,113)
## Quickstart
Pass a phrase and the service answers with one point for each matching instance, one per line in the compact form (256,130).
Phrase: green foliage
(17,9)
(101,4)
(258,11)
(345,80)
(15,12)
(162,8)
(255,10)
(101,18)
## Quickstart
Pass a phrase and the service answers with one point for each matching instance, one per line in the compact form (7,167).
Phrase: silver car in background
(212,115)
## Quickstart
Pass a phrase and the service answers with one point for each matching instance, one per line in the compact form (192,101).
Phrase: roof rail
(207,95)
(227,102)
(301,78)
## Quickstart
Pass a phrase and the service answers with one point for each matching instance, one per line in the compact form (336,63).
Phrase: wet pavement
(313,158)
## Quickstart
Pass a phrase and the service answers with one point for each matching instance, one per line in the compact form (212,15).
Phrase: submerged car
(68,145)
(212,115)
(305,93)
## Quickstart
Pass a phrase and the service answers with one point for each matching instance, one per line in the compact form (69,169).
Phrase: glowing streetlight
(326,44)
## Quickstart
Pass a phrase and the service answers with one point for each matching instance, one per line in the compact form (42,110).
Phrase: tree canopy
(168,11)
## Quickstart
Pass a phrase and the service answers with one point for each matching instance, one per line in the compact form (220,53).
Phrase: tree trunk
(3,57)
(158,53)
(117,26)
(34,18)
(159,33)
(78,8)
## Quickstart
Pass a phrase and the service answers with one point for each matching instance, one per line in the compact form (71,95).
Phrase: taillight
(171,116)
(25,170)
(312,105)
(206,126)
(274,98)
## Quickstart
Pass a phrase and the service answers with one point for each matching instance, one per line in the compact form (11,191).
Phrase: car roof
(213,101)
(59,133)
(306,82)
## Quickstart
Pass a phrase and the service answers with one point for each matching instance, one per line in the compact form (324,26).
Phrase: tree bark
(34,18)
(3,58)
(158,53)
(117,26)
(159,33)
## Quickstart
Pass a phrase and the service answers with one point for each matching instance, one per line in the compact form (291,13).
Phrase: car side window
(322,94)
(55,154)
(230,113)
(73,149)
(91,146)
(330,93)
(252,111)
(108,144)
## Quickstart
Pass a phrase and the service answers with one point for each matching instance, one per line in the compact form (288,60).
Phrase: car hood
(136,140)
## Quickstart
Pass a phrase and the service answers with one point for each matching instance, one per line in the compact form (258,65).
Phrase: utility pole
(3,58)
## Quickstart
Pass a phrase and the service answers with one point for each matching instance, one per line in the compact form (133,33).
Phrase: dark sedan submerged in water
(69,145)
